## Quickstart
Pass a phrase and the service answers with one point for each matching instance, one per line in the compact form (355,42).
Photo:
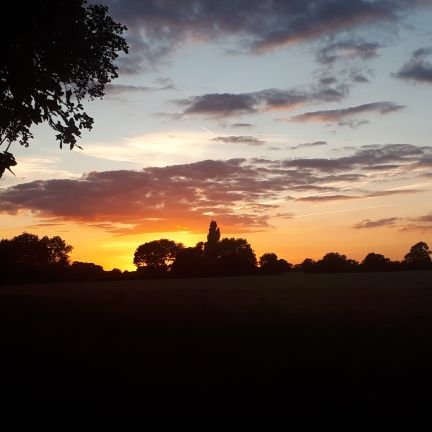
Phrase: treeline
(28,258)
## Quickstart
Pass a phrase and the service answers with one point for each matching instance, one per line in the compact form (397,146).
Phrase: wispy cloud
(367,223)
(249,140)
(346,50)
(117,89)
(358,196)
(340,116)
(308,145)
(420,223)
(345,210)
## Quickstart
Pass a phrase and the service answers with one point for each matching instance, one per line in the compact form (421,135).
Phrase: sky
(302,126)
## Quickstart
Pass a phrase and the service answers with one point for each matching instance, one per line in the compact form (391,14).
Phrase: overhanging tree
(55,55)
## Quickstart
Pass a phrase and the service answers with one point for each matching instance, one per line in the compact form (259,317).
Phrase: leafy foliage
(55,54)
(270,264)
(376,262)
(157,255)
(419,256)
(235,256)
(28,249)
(29,257)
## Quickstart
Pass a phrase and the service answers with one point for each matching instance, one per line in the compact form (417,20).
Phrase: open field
(293,345)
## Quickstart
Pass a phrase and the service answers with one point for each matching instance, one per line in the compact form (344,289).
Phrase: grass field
(292,345)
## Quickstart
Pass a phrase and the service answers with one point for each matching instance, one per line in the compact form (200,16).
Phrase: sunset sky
(303,126)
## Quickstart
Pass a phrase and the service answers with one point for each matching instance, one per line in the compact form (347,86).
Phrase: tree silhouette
(308,265)
(331,262)
(26,256)
(418,257)
(270,264)
(83,271)
(235,256)
(7,160)
(336,262)
(213,238)
(156,256)
(55,55)
(190,261)
(376,262)
(56,249)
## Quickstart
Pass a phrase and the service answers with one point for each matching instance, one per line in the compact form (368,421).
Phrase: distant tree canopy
(336,262)
(27,254)
(157,255)
(29,250)
(332,262)
(85,271)
(235,255)
(191,261)
(418,257)
(270,264)
(376,262)
(55,54)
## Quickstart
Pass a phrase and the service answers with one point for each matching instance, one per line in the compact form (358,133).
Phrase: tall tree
(213,238)
(55,55)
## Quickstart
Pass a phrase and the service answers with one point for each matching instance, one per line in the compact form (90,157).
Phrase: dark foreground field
(285,346)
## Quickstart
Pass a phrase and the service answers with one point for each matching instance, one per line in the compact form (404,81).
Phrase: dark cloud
(367,223)
(419,223)
(308,145)
(417,69)
(241,194)
(220,104)
(359,78)
(158,27)
(326,80)
(249,140)
(148,200)
(381,167)
(366,157)
(425,162)
(344,116)
(242,125)
(426,218)
(229,104)
(346,50)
